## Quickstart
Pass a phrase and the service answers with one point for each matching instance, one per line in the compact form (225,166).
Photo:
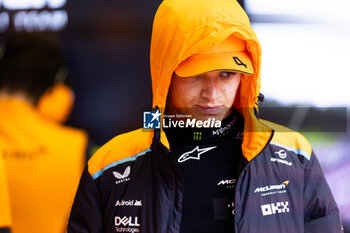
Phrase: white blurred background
(306,48)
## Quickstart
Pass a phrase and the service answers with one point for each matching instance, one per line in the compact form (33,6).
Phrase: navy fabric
(209,174)
(5,230)
(278,191)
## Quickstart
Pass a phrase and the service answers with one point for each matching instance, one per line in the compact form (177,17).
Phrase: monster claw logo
(197,136)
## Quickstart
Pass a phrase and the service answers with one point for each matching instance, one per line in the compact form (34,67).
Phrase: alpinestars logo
(130,224)
(275,208)
(194,154)
(122,178)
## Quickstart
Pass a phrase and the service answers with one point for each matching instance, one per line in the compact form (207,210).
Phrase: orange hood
(182,28)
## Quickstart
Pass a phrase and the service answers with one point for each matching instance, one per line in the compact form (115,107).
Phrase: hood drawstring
(261,99)
(259,103)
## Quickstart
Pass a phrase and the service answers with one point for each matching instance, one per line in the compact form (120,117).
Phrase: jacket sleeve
(86,214)
(321,214)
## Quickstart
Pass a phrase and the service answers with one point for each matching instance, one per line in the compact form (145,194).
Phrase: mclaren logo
(272,189)
(228,183)
(225,182)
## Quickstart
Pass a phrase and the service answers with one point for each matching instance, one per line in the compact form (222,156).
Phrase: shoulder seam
(295,150)
(128,159)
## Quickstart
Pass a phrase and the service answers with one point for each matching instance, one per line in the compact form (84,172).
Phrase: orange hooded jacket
(180,30)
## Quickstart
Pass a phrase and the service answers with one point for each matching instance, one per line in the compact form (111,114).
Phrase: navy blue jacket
(282,189)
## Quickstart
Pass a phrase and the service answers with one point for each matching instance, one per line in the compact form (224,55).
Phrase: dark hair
(29,63)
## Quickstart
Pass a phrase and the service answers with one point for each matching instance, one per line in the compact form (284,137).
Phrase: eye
(227,74)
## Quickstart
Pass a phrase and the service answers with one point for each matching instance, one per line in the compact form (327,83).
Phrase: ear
(56,103)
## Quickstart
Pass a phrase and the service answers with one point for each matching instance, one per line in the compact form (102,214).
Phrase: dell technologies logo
(127,224)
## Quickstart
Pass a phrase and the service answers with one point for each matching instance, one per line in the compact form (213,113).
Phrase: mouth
(209,109)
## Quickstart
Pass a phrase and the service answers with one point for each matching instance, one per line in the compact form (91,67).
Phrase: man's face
(209,95)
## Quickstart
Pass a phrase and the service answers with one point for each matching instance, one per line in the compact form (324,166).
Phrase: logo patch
(194,154)
(122,177)
(197,136)
(275,208)
(239,62)
(129,203)
(126,224)
(229,183)
(225,129)
(151,119)
(281,161)
(272,189)
(282,154)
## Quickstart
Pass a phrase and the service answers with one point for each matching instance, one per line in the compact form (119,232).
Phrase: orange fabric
(182,29)
(230,54)
(43,161)
(288,137)
(57,103)
(120,147)
(5,216)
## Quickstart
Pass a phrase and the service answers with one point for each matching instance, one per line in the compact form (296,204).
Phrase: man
(246,176)
(43,159)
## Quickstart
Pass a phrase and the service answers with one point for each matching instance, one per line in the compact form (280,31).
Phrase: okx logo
(151,119)
(122,177)
(275,208)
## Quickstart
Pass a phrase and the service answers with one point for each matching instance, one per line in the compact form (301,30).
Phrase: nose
(209,88)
